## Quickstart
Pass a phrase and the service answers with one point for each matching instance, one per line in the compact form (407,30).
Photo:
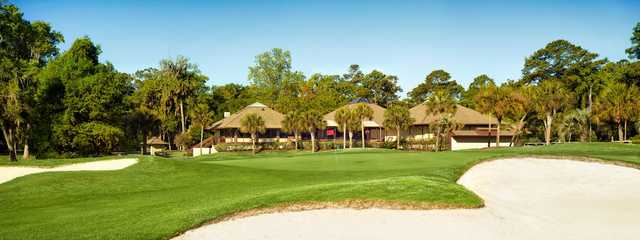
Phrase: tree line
(73,103)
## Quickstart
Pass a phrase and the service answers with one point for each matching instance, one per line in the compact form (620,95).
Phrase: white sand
(525,199)
(10,173)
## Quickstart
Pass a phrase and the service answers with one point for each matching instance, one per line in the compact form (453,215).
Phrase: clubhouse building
(476,130)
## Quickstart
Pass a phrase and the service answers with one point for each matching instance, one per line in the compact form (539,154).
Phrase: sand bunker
(10,173)
(525,199)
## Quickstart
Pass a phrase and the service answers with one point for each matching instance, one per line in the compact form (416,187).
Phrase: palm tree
(352,124)
(363,112)
(312,121)
(439,104)
(253,124)
(183,78)
(619,103)
(578,121)
(549,98)
(343,115)
(448,124)
(519,108)
(201,117)
(292,123)
(494,100)
(397,117)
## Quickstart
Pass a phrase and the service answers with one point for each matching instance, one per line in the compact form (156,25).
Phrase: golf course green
(158,198)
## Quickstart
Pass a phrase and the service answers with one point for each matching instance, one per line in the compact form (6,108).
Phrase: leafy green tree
(634,50)
(76,89)
(202,117)
(253,124)
(439,104)
(230,98)
(519,108)
(550,97)
(142,121)
(24,49)
(438,80)
(379,88)
(271,72)
(293,123)
(182,81)
(397,118)
(559,60)
(363,112)
(321,92)
(312,121)
(94,138)
(619,102)
(289,98)
(479,84)
(494,100)
(574,121)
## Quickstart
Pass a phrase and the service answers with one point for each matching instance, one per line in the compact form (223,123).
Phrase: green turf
(159,197)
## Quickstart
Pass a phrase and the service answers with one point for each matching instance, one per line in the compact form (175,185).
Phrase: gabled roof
(463,115)
(376,121)
(156,141)
(207,143)
(272,119)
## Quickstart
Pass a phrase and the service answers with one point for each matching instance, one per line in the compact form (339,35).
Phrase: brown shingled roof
(272,119)
(156,141)
(463,115)
(377,119)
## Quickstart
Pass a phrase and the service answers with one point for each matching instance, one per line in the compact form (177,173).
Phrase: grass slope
(159,197)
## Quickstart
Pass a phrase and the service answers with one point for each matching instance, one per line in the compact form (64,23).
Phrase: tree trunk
(620,133)
(144,143)
(27,156)
(313,140)
(519,128)
(438,139)
(547,130)
(253,143)
(498,132)
(489,142)
(295,136)
(362,130)
(344,136)
(350,139)
(201,137)
(25,153)
(398,138)
(589,110)
(182,120)
(8,138)
(625,131)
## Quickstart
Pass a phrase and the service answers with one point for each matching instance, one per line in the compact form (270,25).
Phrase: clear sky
(404,38)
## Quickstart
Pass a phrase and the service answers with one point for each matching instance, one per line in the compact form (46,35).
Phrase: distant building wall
(477,142)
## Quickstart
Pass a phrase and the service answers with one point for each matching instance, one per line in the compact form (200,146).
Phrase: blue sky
(405,38)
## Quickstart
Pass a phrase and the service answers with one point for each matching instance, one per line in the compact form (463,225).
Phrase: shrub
(635,139)
(96,138)
(236,147)
(184,140)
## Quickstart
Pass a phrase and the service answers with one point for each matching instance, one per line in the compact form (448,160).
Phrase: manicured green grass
(4,161)
(160,197)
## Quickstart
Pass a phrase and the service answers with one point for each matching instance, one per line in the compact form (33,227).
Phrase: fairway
(533,198)
(159,198)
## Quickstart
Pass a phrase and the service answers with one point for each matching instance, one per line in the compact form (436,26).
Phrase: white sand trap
(525,199)
(10,173)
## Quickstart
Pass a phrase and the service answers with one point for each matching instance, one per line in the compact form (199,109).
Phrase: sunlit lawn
(159,197)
